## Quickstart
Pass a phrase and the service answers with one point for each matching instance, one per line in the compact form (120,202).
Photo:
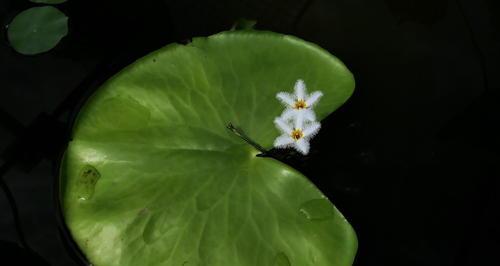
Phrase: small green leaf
(87,181)
(52,2)
(37,30)
(176,187)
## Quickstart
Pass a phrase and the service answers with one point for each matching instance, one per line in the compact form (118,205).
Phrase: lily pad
(173,186)
(37,30)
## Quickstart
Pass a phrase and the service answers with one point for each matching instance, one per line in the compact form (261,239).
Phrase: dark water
(412,160)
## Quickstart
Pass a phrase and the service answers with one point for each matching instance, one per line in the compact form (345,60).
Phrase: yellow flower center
(300,104)
(297,134)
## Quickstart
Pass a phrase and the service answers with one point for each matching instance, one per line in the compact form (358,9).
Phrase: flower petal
(300,89)
(283,126)
(286,98)
(313,98)
(302,146)
(309,115)
(298,122)
(283,141)
(288,114)
(311,129)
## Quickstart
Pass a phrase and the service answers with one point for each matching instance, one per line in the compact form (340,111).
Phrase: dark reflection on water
(15,255)
(422,11)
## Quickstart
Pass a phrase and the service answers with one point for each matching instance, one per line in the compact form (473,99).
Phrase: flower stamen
(297,134)
(300,104)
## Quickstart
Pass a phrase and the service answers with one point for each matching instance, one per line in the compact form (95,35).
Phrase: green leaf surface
(52,2)
(37,30)
(165,183)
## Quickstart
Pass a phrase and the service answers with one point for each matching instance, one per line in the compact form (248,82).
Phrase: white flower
(299,102)
(296,134)
(289,114)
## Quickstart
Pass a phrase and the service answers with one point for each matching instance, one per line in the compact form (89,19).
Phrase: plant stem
(247,139)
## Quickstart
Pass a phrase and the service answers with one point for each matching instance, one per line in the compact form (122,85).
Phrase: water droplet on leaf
(87,180)
(281,260)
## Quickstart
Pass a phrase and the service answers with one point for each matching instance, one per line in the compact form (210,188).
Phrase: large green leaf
(153,177)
